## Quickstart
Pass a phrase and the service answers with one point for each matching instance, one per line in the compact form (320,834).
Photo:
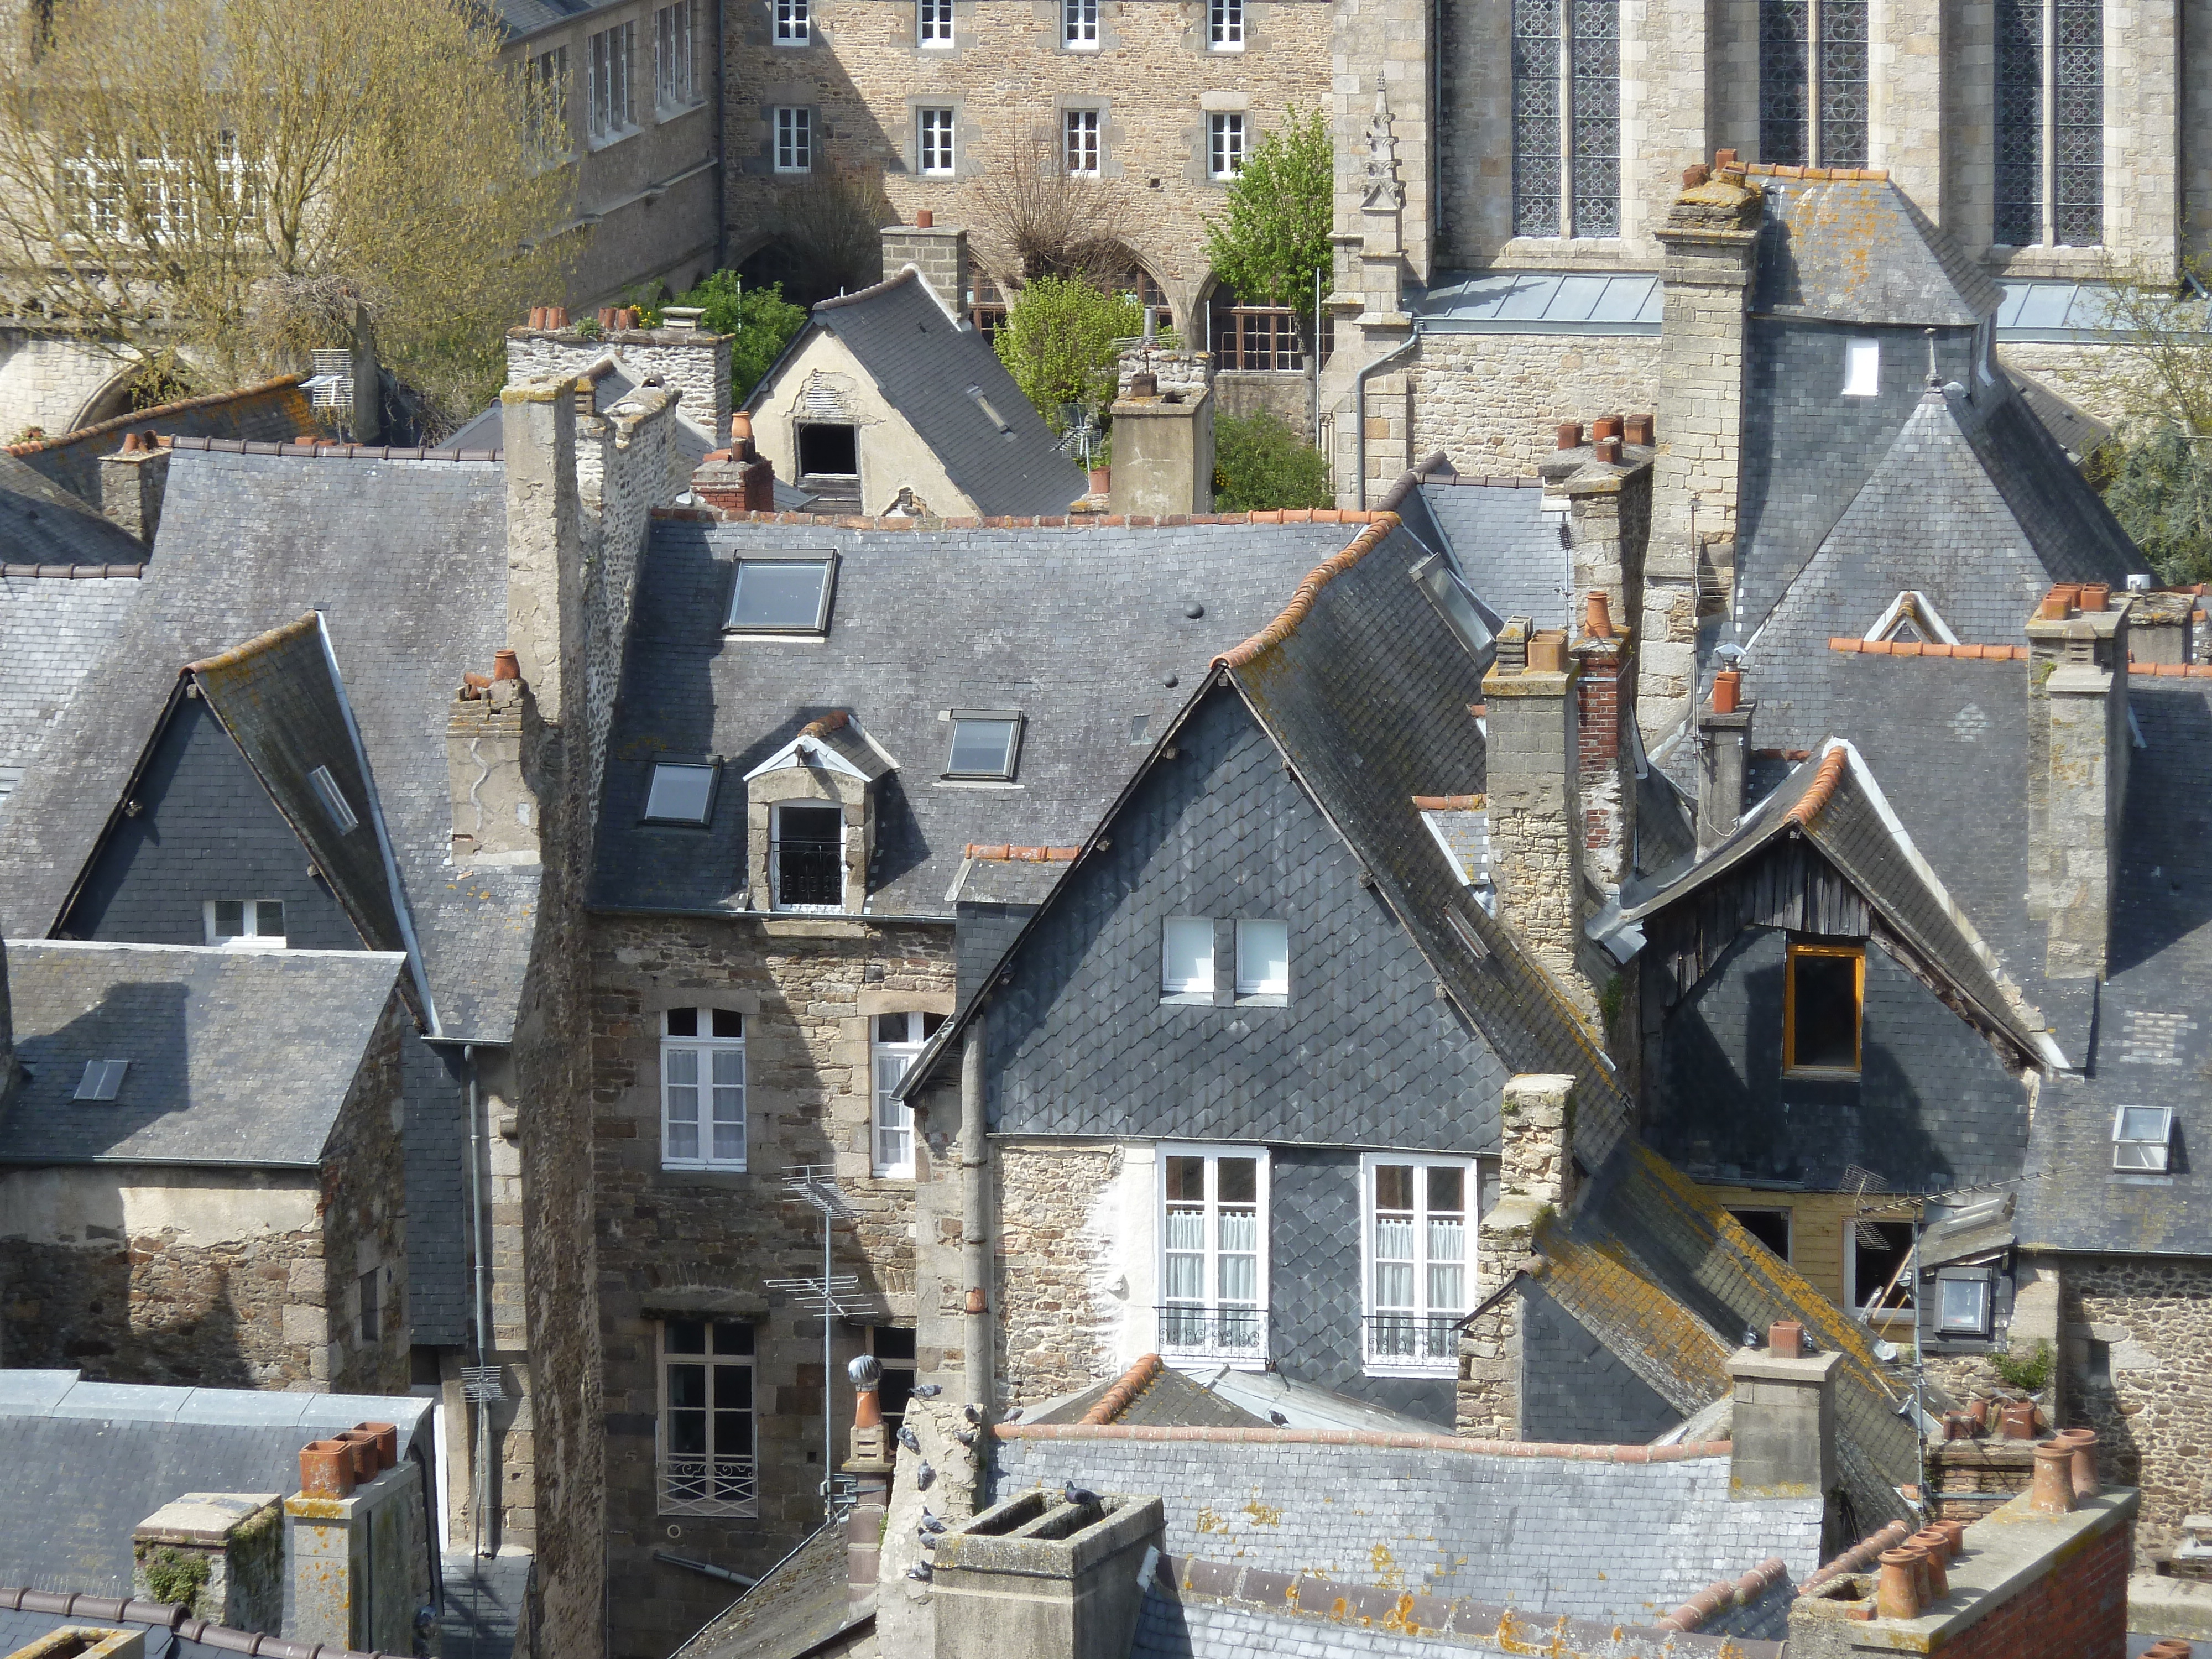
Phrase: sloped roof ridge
(331,451)
(171,1616)
(1123,1394)
(258,646)
(75,572)
(1050,521)
(140,417)
(906,274)
(1689,1451)
(1302,600)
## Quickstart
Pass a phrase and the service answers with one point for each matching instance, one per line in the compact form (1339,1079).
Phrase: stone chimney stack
(132,482)
(940,253)
(496,810)
(2077,686)
(357,1544)
(1782,1424)
(544,536)
(1042,1577)
(1710,237)
(1163,451)
(868,1460)
(219,1555)
(1723,751)
(1536,838)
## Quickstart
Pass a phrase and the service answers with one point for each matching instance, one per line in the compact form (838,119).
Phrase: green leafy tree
(759,319)
(1275,237)
(1058,344)
(1260,464)
(2161,493)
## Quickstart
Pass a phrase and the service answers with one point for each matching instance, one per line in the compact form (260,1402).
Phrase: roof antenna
(1935,380)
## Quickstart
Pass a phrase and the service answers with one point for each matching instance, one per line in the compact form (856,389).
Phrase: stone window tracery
(2049,163)
(1812,82)
(1566,117)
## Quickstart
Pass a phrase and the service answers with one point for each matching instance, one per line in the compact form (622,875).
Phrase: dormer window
(810,817)
(2142,1139)
(986,745)
(782,596)
(808,857)
(682,792)
(102,1080)
(1824,991)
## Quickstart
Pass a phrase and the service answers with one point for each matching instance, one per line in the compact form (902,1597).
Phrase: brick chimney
(1536,840)
(219,1555)
(496,808)
(1711,235)
(1163,451)
(1723,751)
(132,480)
(2077,688)
(939,252)
(738,479)
(545,537)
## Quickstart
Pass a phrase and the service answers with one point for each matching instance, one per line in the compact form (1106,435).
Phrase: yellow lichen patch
(1384,1561)
(1209,1521)
(1401,1616)
(1263,1515)
(1338,1608)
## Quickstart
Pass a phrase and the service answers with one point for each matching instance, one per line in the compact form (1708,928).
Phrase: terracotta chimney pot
(1785,1338)
(504,665)
(1897,1591)
(1978,1411)
(925,219)
(2052,1490)
(1955,1533)
(365,1465)
(1547,652)
(1934,1547)
(2018,1422)
(1597,619)
(1606,426)
(1727,692)
(1570,434)
(1608,450)
(326,1468)
(1694,176)
(2084,1442)
(1637,430)
(2095,595)
(741,429)
(387,1442)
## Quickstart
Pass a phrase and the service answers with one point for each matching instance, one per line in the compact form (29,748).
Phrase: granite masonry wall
(1054,1338)
(1492,402)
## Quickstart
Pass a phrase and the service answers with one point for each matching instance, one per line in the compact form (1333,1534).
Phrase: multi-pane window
(893,1347)
(611,109)
(1224,144)
(898,1040)
(1082,143)
(705,1451)
(1798,80)
(1255,337)
(245,923)
(1225,25)
(794,21)
(1213,1264)
(806,857)
(1418,1214)
(2142,1139)
(934,145)
(1566,117)
(1079,25)
(932,23)
(153,194)
(549,74)
(702,1089)
(2050,123)
(671,53)
(794,140)
(988,313)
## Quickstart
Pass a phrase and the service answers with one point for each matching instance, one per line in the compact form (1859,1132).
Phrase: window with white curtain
(1419,1215)
(1214,1253)
(898,1040)
(702,1089)
(1187,958)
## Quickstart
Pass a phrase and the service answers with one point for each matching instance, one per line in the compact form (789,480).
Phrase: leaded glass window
(2020,123)
(2077,184)
(1783,81)
(1597,117)
(1535,118)
(1843,83)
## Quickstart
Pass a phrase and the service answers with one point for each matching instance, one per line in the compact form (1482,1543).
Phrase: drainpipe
(1359,407)
(974,1212)
(479,1149)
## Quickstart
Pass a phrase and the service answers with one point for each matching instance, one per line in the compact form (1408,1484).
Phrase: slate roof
(87,1461)
(237,1057)
(271,412)
(42,523)
(798,1602)
(925,364)
(407,562)
(1861,251)
(923,621)
(1510,554)
(53,630)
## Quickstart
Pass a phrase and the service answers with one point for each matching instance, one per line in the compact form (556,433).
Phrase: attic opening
(809,857)
(1823,998)
(829,465)
(1880,1255)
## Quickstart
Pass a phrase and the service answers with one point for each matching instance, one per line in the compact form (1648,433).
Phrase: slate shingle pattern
(121,1452)
(1510,554)
(1081,670)
(1545,1535)
(42,523)
(53,630)
(1861,251)
(407,560)
(925,363)
(271,412)
(236,1056)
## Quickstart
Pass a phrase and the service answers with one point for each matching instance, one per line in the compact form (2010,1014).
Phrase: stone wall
(1492,402)
(690,360)
(628,463)
(705,1242)
(2136,1348)
(2082,374)
(53,383)
(1053,1338)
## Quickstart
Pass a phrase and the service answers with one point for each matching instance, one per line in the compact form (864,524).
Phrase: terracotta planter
(325,1468)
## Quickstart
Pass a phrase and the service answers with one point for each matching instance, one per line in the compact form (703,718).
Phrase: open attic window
(2142,1139)
(1462,612)
(1824,993)
(1912,619)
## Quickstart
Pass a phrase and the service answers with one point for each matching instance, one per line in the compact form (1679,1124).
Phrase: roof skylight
(1461,610)
(2142,1138)
(985,744)
(782,596)
(683,791)
(102,1080)
(333,799)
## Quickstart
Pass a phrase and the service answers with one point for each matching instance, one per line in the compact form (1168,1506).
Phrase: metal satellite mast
(836,1296)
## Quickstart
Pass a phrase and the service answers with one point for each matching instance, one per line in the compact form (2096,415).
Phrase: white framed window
(548,72)
(1863,369)
(341,816)
(102,1080)
(702,1089)
(794,21)
(1079,25)
(1225,143)
(932,23)
(794,148)
(987,744)
(1417,1237)
(673,66)
(897,1041)
(1263,961)
(1225,25)
(1187,959)
(806,856)
(613,111)
(2142,1139)
(933,143)
(682,792)
(1081,147)
(245,923)
(1214,1253)
(705,1452)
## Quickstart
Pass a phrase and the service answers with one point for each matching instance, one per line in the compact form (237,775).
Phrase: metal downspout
(974,1217)
(479,1149)
(1359,407)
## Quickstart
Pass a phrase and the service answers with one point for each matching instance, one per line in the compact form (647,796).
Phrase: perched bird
(922,1570)
(908,1438)
(926,1390)
(1751,1339)
(971,1413)
(1077,1495)
(965,1437)
(1279,1419)
(931,1523)
(1012,1414)
(923,1478)
(928,1542)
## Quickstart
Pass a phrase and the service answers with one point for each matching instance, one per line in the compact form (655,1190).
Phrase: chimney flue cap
(1570,434)
(504,665)
(1785,1338)
(1608,450)
(1144,384)
(1606,426)
(1728,697)
(1637,430)
(326,1468)
(1597,616)
(925,219)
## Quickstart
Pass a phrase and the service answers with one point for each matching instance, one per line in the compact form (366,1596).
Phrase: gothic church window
(1566,117)
(2050,123)
(1812,82)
